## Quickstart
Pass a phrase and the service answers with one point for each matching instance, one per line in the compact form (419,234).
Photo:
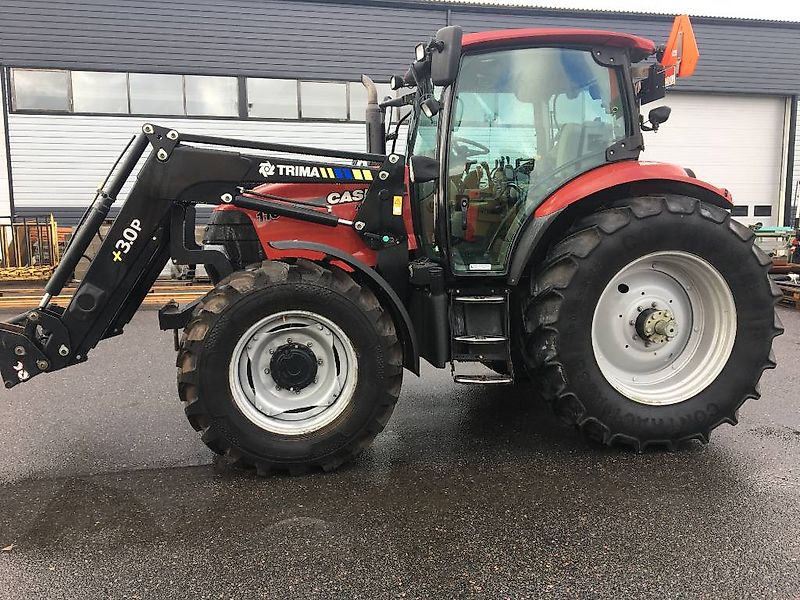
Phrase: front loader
(518,239)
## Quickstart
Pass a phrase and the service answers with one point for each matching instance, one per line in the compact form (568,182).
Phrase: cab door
(523,122)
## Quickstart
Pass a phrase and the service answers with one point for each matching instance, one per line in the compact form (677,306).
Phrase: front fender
(380,287)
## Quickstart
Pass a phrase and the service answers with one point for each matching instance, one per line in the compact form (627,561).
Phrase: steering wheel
(471,147)
(513,210)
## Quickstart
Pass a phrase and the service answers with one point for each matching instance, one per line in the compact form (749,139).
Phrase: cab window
(524,122)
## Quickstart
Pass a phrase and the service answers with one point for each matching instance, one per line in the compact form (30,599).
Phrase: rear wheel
(652,322)
(289,367)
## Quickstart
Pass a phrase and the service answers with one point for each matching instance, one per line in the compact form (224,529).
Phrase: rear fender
(599,187)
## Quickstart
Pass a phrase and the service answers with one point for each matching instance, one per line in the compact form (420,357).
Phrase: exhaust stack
(376,140)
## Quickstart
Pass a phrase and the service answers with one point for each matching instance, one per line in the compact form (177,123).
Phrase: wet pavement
(106,491)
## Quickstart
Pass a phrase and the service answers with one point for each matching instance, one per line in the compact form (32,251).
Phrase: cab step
(481,299)
(480,339)
(480,336)
(484,379)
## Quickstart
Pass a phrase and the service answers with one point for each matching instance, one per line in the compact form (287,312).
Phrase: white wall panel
(60,160)
(734,142)
(5,196)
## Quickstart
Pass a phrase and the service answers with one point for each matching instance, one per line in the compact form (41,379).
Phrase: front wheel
(651,322)
(289,367)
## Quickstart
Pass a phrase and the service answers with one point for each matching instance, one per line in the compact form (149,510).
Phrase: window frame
(13,91)
(248,116)
(346,83)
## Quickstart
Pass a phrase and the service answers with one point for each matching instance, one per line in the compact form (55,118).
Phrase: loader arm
(156,224)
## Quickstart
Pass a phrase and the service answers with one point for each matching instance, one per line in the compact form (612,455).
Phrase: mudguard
(381,288)
(625,178)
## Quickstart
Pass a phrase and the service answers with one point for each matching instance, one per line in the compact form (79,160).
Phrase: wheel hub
(656,326)
(293,372)
(293,366)
(664,327)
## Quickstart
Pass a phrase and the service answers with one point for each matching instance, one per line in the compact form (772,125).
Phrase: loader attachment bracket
(20,359)
(162,139)
(379,219)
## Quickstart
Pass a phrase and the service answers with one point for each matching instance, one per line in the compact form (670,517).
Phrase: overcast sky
(783,10)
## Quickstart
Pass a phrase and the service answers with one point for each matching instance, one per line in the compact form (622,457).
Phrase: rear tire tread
(544,304)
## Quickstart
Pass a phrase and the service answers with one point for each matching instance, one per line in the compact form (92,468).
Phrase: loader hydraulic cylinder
(95,216)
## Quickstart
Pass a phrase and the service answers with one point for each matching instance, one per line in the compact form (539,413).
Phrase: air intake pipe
(376,140)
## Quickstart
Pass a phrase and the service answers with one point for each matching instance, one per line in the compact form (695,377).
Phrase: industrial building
(79,78)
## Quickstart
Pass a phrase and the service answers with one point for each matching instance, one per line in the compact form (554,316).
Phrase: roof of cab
(640,48)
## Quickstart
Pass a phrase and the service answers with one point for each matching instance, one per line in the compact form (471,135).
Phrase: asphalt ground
(107,492)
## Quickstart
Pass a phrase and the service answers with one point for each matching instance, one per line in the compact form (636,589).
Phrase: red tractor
(518,239)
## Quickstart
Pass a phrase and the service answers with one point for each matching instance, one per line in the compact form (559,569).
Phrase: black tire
(242,299)
(566,288)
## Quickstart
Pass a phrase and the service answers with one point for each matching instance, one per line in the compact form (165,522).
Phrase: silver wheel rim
(293,411)
(692,305)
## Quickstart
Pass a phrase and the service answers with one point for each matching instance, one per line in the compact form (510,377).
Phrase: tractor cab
(501,120)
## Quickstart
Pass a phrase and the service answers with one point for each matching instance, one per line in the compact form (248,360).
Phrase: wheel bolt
(653,305)
(309,344)
(266,371)
(631,322)
(639,308)
(272,351)
(319,361)
(288,340)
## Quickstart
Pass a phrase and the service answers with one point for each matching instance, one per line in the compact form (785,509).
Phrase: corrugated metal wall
(327,40)
(343,39)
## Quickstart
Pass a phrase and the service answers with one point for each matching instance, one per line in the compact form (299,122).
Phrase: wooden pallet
(791,294)
(27,298)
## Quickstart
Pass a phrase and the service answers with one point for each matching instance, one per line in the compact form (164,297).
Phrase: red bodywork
(639,47)
(316,194)
(629,171)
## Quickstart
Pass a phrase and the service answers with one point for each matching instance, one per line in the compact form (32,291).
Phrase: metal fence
(29,247)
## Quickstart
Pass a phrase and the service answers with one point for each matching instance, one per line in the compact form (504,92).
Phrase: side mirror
(422,169)
(446,56)
(656,117)
(430,107)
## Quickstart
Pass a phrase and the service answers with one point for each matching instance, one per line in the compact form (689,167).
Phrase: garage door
(734,142)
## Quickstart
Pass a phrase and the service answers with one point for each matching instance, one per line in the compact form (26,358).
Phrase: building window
(211,96)
(40,90)
(323,100)
(272,98)
(94,92)
(156,94)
